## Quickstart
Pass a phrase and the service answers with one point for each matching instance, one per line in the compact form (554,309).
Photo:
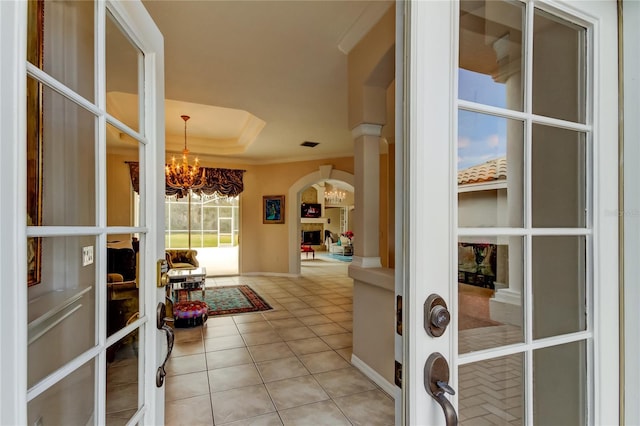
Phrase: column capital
(366,129)
(509,59)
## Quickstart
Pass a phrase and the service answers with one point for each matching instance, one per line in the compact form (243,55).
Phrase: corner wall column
(367,195)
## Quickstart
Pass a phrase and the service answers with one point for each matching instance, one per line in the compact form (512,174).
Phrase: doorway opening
(326,217)
(209,224)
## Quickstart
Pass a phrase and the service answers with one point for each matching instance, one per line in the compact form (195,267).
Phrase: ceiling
(258,78)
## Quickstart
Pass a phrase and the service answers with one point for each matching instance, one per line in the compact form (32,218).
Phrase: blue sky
(481,137)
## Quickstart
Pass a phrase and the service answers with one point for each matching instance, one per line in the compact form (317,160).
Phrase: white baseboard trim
(391,389)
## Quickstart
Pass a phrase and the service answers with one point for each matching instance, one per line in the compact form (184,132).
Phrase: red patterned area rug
(234,299)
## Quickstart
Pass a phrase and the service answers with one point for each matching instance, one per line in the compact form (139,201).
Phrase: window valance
(221,181)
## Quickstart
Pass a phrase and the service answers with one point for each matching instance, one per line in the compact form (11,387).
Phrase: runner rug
(234,299)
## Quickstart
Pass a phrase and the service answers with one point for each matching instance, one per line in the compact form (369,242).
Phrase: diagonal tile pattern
(288,366)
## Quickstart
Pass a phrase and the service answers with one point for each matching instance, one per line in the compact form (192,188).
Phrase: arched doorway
(325,173)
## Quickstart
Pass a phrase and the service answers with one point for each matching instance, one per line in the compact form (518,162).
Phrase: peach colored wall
(264,247)
(372,100)
(384,208)
(119,199)
(391,208)
(387,209)
(368,77)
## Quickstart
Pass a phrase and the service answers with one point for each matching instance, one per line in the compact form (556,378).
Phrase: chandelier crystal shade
(334,196)
(183,175)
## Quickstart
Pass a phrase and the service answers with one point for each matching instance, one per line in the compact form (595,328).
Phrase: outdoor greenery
(181,240)
(210,216)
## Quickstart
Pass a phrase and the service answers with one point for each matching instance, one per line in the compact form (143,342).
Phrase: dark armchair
(122,291)
(121,264)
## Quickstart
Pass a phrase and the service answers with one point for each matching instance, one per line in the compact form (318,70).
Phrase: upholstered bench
(190,313)
(305,248)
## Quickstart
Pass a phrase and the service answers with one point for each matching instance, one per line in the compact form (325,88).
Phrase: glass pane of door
(84,273)
(123,281)
(123,181)
(558,177)
(61,306)
(72,61)
(493,392)
(492,53)
(225,232)
(523,214)
(490,296)
(64,161)
(559,73)
(559,285)
(124,190)
(122,379)
(123,59)
(68,402)
(63,262)
(559,384)
(490,170)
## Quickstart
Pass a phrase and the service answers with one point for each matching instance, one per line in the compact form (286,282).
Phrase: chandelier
(334,196)
(183,175)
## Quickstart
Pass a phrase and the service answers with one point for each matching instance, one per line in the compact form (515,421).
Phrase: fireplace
(312,237)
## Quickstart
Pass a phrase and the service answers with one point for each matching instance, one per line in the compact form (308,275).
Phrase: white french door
(512,138)
(82,275)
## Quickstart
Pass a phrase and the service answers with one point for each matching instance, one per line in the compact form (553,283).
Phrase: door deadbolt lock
(162,267)
(436,316)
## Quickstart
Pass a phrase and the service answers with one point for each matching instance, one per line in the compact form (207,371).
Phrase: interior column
(367,195)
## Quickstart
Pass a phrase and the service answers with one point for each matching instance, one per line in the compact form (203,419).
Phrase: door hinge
(398,375)
(399,314)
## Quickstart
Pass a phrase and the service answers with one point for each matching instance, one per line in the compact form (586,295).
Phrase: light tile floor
(291,365)
(288,366)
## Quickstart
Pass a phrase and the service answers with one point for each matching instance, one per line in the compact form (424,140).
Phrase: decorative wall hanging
(273,209)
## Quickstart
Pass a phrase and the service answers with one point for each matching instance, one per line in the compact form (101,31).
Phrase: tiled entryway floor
(287,366)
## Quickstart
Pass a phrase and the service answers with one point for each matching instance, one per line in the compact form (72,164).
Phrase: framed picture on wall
(273,209)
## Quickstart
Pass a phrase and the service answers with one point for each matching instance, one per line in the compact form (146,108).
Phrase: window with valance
(227,182)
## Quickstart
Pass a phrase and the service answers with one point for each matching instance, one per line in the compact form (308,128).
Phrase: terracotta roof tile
(492,170)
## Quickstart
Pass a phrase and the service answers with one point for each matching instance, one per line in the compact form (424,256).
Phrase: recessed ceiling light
(309,144)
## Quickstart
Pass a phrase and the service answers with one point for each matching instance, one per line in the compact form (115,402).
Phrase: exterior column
(507,305)
(367,195)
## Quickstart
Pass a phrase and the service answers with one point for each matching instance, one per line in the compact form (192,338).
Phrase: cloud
(464,142)
(493,140)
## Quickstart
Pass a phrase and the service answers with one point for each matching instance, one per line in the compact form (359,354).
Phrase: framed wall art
(273,209)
